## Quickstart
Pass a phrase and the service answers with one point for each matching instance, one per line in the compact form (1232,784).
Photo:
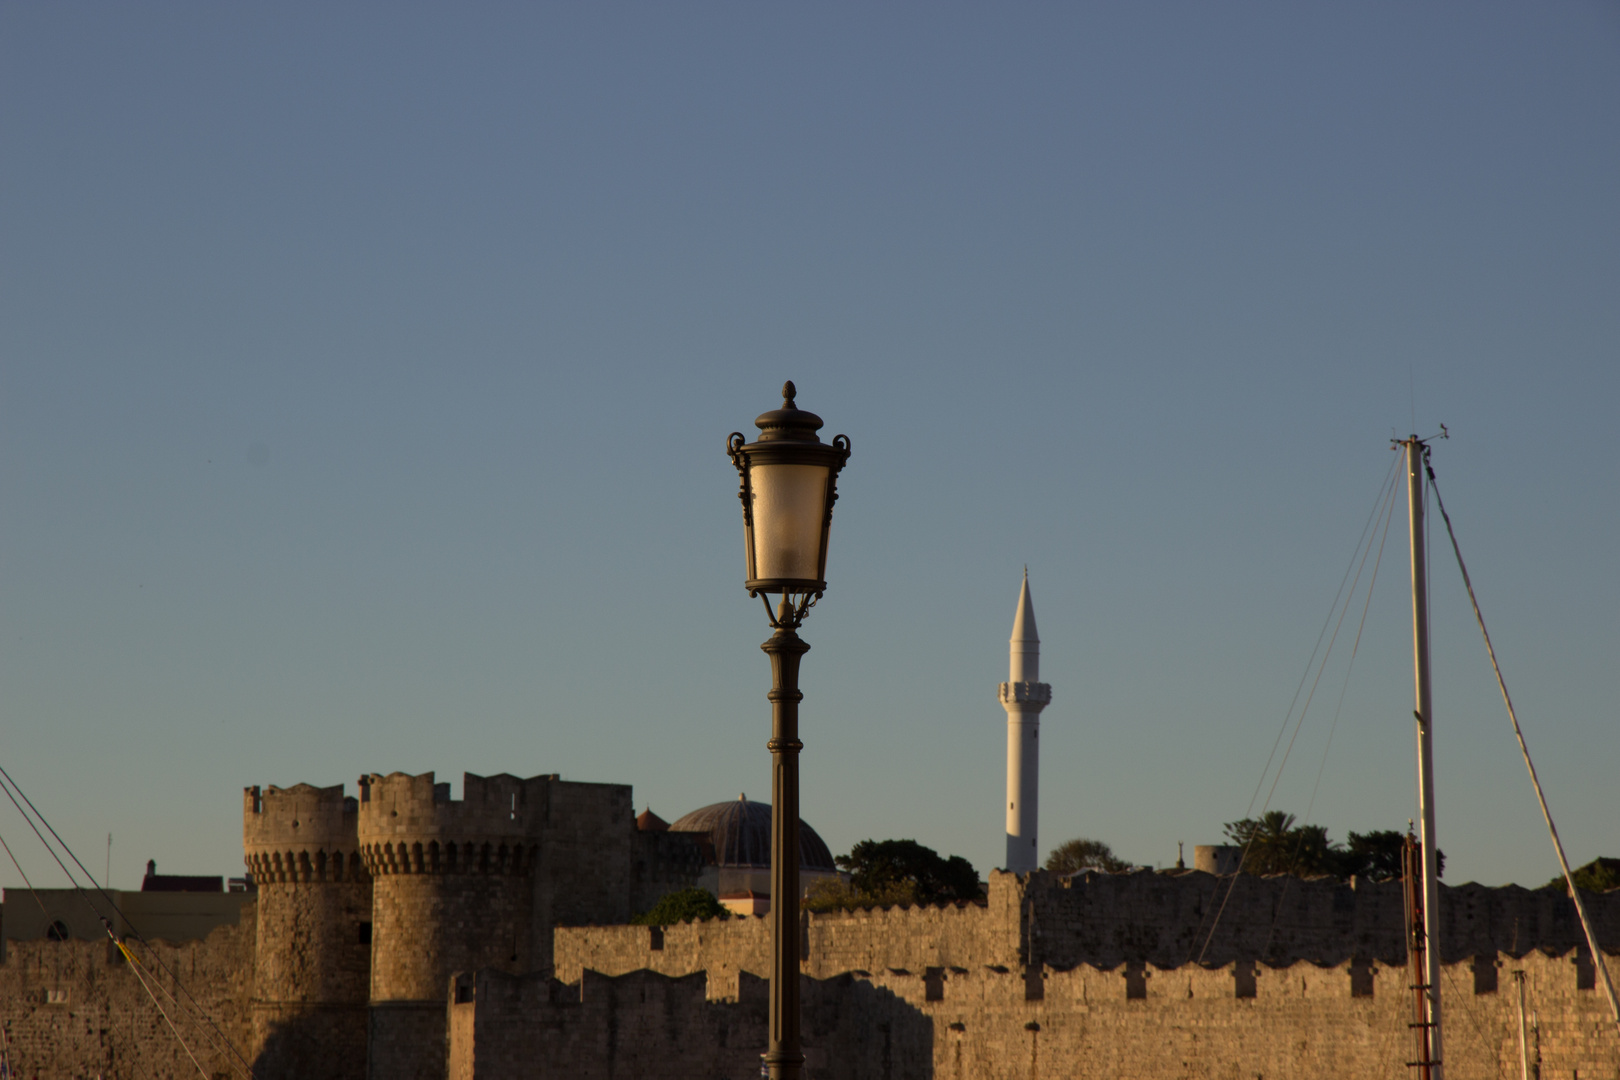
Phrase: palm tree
(1275,845)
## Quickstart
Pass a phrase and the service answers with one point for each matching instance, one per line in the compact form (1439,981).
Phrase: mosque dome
(740,832)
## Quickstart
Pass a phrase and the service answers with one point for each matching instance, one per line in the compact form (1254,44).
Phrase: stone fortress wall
(1238,1020)
(403,934)
(365,906)
(74,1009)
(1111,919)
(1096,975)
(650,1027)
(1164,918)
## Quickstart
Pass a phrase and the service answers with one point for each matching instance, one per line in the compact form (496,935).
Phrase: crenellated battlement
(410,825)
(1106,920)
(1008,1022)
(300,834)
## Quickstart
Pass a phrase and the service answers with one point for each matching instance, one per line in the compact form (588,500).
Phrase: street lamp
(789,480)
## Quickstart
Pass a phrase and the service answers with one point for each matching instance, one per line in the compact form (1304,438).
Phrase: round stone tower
(310,987)
(452,892)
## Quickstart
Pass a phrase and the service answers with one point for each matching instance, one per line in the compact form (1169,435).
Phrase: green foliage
(1275,845)
(1377,856)
(1599,875)
(903,871)
(683,905)
(831,894)
(1278,846)
(1083,854)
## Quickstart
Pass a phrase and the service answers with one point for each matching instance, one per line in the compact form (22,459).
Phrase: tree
(831,894)
(1599,875)
(1278,846)
(1080,853)
(1275,845)
(1375,855)
(897,868)
(683,905)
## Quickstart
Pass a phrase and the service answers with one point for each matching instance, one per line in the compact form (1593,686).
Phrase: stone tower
(367,907)
(452,892)
(312,964)
(1023,695)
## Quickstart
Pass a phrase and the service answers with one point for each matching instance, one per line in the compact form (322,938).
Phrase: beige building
(167,908)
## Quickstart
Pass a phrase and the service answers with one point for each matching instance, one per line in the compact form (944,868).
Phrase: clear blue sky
(365,371)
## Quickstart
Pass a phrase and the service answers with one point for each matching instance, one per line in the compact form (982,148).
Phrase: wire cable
(13,791)
(135,966)
(1518,733)
(1473,1020)
(1289,714)
(1357,556)
(1389,517)
(31,890)
(5,1039)
(1355,648)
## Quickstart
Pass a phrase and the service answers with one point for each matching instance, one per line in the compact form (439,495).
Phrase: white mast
(1416,452)
(1023,695)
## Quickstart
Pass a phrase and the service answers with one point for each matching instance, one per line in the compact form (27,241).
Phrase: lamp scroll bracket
(734,444)
(840,443)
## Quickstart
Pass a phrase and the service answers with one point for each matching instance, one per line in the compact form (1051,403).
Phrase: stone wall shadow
(643,1025)
(852,1030)
(313,1044)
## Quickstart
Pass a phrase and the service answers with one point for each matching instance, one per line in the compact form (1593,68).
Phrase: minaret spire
(1023,695)
(1026,642)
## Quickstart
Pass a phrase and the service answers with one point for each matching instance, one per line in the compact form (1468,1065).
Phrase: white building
(1023,695)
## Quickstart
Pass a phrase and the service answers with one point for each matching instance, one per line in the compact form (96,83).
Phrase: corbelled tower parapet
(302,833)
(311,972)
(453,891)
(410,825)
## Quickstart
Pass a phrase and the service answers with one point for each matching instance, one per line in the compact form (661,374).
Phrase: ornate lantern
(789,484)
(789,481)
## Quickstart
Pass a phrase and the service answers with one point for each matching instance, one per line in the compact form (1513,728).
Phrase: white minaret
(1023,695)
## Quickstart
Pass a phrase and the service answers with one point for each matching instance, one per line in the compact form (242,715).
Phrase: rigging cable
(31,890)
(1355,647)
(218,1036)
(1389,517)
(1358,560)
(1459,1001)
(135,966)
(1518,732)
(1288,715)
(6,1069)
(107,925)
(220,1040)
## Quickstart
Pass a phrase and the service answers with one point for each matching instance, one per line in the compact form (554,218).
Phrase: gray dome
(740,833)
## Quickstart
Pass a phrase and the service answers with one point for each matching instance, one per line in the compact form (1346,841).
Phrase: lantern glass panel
(790,506)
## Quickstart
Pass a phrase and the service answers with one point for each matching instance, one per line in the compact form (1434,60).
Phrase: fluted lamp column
(789,481)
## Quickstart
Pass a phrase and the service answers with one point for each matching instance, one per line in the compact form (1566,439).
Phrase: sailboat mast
(1416,451)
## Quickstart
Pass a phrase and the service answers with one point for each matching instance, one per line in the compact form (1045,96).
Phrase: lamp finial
(789,392)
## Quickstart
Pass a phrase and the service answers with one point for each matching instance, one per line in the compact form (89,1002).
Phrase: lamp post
(788,484)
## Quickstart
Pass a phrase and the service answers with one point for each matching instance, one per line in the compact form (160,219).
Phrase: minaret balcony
(1026,693)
